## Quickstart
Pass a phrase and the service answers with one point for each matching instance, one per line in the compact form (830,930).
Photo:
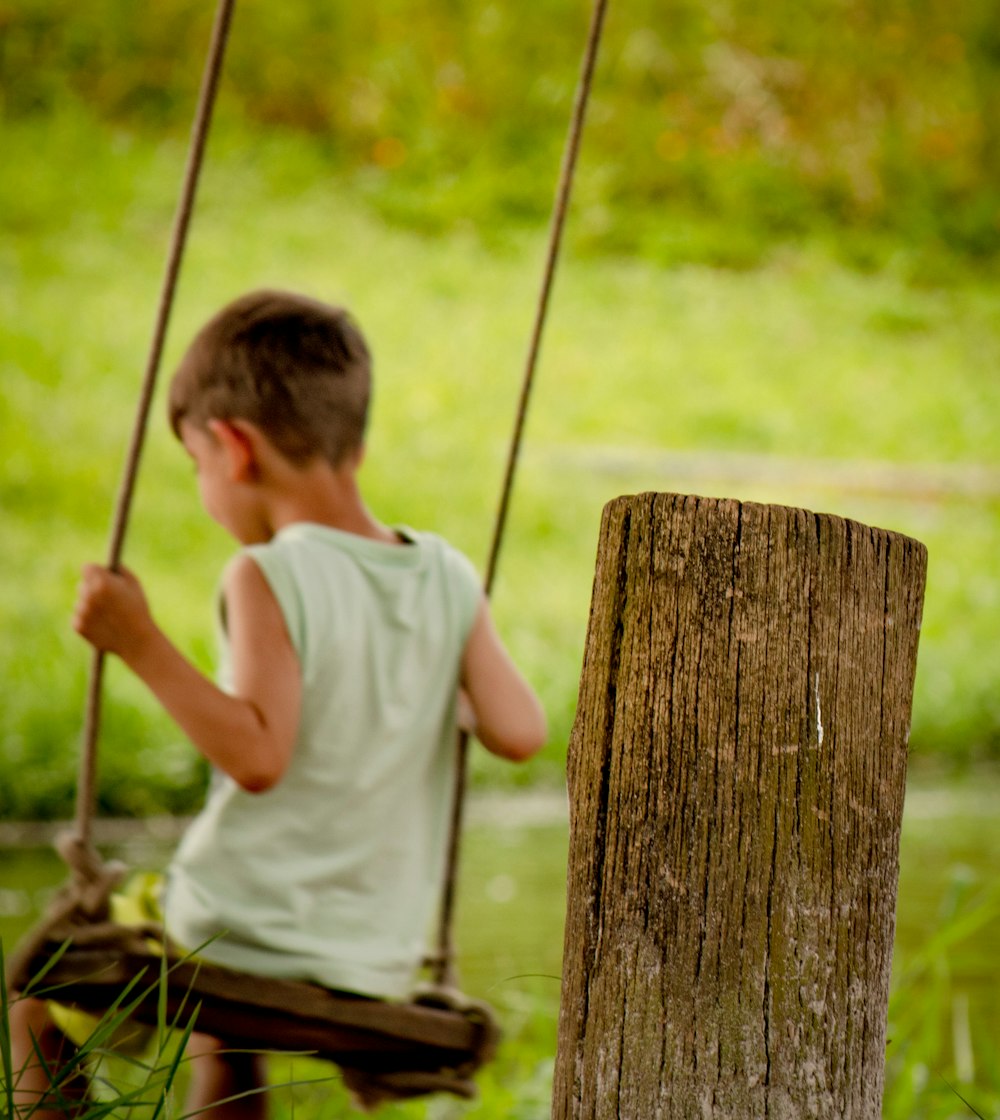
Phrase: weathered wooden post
(736,773)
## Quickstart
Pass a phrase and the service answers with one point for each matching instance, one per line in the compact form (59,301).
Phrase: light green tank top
(334,874)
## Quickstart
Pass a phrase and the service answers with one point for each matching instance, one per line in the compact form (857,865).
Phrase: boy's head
(296,368)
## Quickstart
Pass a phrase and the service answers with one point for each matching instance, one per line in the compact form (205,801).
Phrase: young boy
(348,646)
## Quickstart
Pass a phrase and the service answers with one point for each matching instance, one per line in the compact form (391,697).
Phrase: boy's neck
(322,495)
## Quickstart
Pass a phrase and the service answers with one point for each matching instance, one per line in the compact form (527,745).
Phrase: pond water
(511,901)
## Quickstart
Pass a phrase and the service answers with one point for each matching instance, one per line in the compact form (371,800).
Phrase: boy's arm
(248,734)
(508,717)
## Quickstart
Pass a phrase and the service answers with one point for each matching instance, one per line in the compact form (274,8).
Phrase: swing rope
(443,967)
(78,848)
(85,898)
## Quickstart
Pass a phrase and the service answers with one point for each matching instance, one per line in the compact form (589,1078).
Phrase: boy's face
(217,481)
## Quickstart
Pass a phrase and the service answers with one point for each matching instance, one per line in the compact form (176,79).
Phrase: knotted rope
(84,899)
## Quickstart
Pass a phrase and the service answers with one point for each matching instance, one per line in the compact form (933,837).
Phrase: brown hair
(297,368)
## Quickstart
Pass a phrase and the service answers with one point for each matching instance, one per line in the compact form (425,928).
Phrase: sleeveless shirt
(332,875)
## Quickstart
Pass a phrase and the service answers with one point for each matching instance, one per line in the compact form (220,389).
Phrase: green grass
(651,378)
(944,1014)
(141,1084)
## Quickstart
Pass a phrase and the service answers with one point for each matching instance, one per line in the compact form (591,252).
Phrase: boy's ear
(237,441)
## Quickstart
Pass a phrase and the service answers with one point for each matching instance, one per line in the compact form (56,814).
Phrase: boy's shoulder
(306,565)
(416,549)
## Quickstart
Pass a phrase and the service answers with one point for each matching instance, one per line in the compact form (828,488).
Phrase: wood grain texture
(737,771)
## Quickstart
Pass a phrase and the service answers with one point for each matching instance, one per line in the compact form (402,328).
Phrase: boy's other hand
(111,611)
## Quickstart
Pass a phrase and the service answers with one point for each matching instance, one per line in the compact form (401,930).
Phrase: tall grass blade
(968,1105)
(5,1043)
(172,1069)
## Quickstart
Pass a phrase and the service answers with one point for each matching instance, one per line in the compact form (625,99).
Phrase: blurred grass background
(871,122)
(780,284)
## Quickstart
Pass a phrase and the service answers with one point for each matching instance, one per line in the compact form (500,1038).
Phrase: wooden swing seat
(439,1037)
